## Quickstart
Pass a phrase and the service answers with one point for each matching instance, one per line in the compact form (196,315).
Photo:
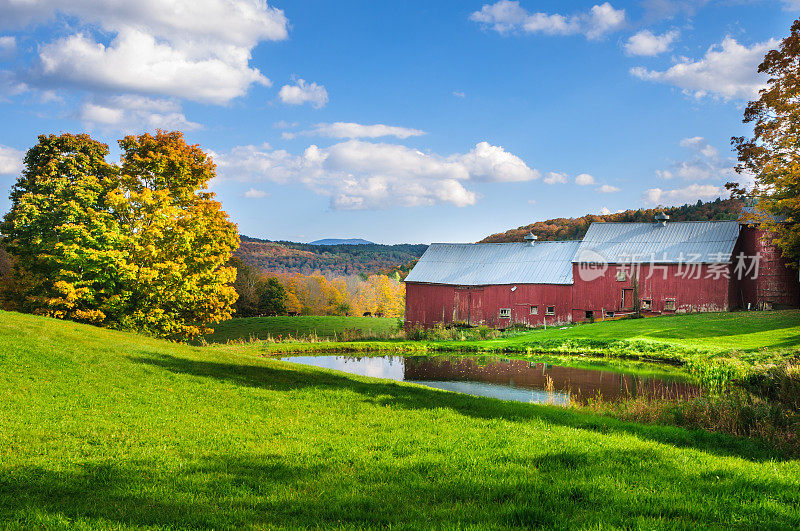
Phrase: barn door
(627,299)
(475,306)
(461,306)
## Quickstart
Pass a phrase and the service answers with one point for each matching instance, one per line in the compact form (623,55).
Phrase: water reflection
(515,380)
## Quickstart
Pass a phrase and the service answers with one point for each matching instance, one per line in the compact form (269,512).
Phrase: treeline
(575,228)
(316,294)
(329,260)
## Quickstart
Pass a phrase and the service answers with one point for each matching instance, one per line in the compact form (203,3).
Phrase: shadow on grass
(562,489)
(273,376)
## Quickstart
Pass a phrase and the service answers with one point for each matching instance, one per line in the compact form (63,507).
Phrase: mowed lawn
(328,327)
(102,429)
(726,331)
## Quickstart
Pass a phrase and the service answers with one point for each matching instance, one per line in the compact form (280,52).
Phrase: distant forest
(575,228)
(330,260)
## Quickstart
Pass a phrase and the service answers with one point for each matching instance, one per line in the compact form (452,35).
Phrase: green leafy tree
(141,245)
(772,154)
(271,297)
(63,234)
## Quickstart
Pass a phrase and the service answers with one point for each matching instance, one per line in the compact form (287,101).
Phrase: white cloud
(704,162)
(8,46)
(584,179)
(460,94)
(193,49)
(304,92)
(507,16)
(791,5)
(283,124)
(531,201)
(354,130)
(647,43)
(252,193)
(689,194)
(728,70)
(365,175)
(607,189)
(10,160)
(130,113)
(605,211)
(555,178)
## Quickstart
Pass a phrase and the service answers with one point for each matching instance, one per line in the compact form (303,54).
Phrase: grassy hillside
(575,228)
(323,326)
(102,429)
(290,257)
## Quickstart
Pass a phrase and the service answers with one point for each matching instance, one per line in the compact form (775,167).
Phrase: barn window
(551,310)
(669,305)
(622,276)
(534,310)
(609,314)
(647,304)
(505,313)
(589,314)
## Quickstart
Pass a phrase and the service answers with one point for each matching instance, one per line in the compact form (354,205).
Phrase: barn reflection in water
(561,383)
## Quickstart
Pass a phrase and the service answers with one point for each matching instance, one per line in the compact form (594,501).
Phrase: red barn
(618,268)
(658,268)
(496,284)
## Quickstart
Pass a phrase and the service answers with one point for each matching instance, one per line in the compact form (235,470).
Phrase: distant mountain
(340,241)
(346,259)
(575,228)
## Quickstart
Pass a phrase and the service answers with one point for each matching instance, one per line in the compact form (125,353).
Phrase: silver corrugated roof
(677,241)
(480,264)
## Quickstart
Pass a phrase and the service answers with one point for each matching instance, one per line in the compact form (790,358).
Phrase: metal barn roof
(676,241)
(481,264)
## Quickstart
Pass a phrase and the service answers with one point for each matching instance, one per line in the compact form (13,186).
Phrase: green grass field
(329,327)
(110,430)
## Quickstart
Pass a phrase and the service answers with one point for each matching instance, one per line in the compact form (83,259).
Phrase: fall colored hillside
(575,228)
(330,260)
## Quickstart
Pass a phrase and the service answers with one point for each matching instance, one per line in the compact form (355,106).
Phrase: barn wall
(428,304)
(776,284)
(605,292)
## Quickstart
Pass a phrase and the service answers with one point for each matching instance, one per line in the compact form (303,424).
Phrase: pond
(517,380)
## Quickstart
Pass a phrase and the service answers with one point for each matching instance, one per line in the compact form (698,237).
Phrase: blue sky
(401,121)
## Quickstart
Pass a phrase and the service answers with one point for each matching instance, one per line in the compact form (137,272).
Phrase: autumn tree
(181,239)
(140,245)
(63,233)
(772,154)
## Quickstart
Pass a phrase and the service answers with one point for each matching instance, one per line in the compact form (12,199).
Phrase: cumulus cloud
(688,194)
(555,178)
(354,130)
(8,45)
(130,113)
(647,43)
(10,160)
(507,16)
(360,175)
(607,189)
(704,162)
(458,94)
(605,211)
(193,49)
(584,179)
(728,70)
(252,193)
(303,92)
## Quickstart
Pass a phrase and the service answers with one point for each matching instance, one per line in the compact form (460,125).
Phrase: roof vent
(661,219)
(531,238)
